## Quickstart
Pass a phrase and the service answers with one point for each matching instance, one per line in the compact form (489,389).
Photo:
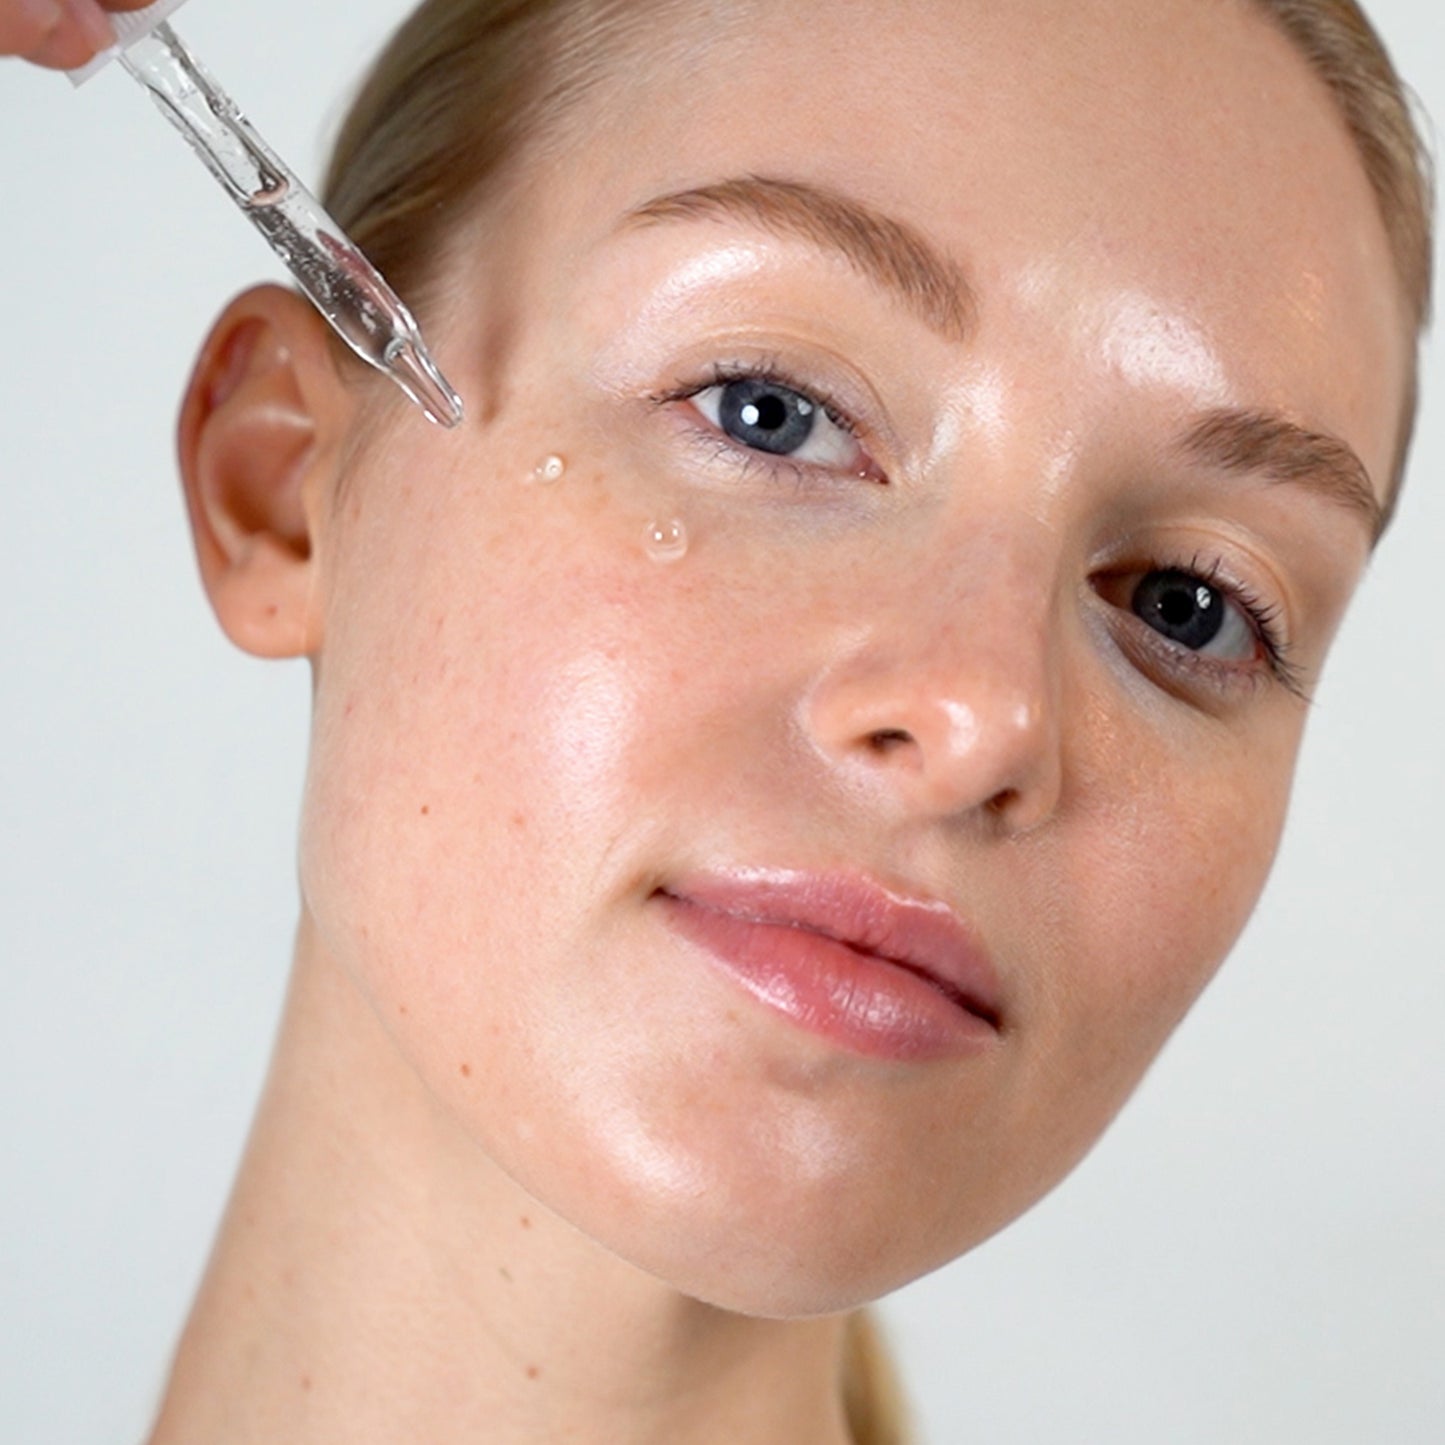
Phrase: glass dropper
(345,287)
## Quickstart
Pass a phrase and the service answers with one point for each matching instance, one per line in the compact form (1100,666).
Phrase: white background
(1256,1252)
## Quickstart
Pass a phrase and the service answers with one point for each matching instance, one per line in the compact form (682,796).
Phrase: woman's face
(1023,444)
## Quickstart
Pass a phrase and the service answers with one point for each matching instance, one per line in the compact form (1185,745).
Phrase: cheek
(1184,857)
(1163,869)
(512,693)
(1133,899)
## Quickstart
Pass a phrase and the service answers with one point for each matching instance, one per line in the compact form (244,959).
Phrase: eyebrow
(1261,442)
(898,259)
(887,252)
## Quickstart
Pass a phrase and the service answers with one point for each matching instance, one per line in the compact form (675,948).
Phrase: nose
(950,715)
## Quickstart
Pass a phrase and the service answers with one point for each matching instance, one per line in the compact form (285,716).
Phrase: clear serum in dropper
(343,285)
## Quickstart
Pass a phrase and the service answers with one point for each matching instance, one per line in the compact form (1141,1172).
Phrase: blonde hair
(1344,51)
(464,86)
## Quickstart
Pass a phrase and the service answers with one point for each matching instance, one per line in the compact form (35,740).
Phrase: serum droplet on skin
(665,541)
(549,469)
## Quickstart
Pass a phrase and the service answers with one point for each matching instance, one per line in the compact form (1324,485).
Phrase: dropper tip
(409,364)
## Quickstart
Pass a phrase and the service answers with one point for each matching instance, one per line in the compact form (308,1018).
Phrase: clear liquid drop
(665,541)
(549,469)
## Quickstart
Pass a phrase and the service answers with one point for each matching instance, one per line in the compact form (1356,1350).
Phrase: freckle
(425,809)
(519,820)
(466,1071)
(305,1382)
(402,1009)
(505,1273)
(526,1223)
(532,1372)
(272,610)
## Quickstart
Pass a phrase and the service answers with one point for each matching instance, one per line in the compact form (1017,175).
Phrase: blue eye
(761,414)
(1193,613)
(1214,628)
(766,416)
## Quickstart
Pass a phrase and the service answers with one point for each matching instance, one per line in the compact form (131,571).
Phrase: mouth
(886,974)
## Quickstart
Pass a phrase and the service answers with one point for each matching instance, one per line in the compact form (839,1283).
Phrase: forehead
(1173,157)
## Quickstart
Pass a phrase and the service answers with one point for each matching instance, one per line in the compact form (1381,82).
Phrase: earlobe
(259,428)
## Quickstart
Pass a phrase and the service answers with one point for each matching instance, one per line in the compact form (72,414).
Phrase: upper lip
(921,935)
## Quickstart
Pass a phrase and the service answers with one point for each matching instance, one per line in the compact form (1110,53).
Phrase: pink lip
(895,977)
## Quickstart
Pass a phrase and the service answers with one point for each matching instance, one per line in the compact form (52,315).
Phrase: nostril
(1003,802)
(885,740)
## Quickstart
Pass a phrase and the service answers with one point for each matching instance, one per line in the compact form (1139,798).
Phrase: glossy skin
(928,675)
(596,725)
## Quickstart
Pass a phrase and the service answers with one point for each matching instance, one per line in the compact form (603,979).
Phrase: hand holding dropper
(59,34)
(80,36)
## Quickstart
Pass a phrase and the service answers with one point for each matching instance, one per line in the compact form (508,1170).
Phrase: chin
(754,1234)
(785,1257)
(753,1283)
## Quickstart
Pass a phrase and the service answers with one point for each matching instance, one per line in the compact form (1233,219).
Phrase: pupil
(769,413)
(1180,607)
(1176,608)
(765,416)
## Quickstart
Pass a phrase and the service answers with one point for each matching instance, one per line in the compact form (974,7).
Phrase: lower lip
(858,1000)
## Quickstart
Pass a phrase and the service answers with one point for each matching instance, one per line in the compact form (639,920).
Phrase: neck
(378,1278)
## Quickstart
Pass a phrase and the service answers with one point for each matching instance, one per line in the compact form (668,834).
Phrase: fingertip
(25,25)
(93,24)
(80,32)
(40,15)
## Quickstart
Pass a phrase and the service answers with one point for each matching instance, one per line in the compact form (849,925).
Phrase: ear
(259,441)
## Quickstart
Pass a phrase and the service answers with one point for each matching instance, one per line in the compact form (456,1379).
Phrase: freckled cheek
(545,697)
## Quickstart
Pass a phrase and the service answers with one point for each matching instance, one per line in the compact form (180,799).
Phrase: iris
(766,416)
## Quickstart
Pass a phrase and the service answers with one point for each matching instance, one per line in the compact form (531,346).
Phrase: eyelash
(769,371)
(1263,616)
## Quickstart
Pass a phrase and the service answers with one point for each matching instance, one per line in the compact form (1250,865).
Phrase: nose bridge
(949,693)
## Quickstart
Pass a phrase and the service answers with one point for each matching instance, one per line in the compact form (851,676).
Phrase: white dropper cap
(130,26)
